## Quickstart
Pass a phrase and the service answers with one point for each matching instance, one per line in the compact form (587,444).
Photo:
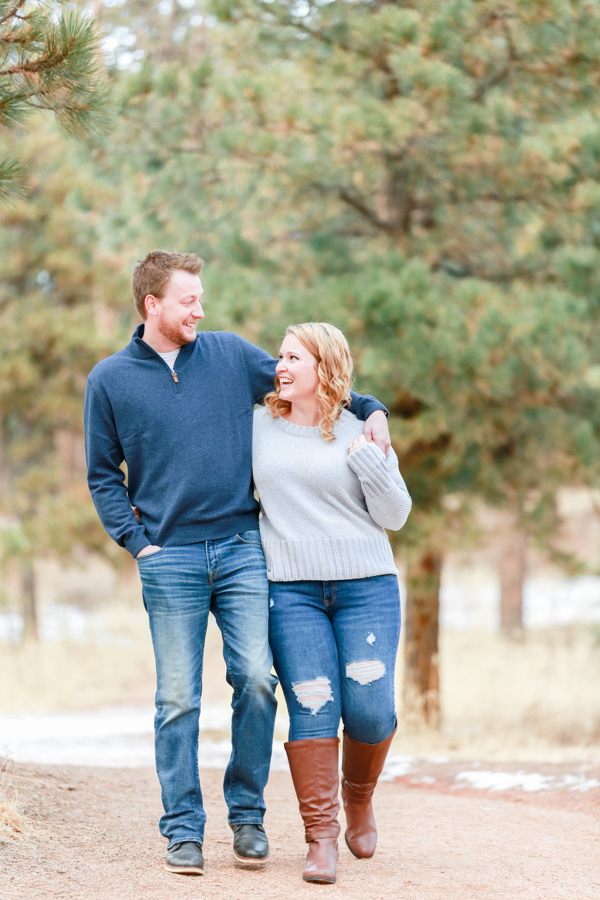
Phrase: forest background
(426,176)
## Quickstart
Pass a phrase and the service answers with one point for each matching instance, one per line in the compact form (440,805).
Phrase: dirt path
(96,837)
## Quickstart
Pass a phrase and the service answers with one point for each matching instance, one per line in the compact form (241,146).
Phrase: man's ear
(151,304)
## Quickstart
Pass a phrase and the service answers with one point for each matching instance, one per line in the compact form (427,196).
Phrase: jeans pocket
(250,537)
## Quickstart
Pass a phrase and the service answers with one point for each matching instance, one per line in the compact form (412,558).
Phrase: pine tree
(49,60)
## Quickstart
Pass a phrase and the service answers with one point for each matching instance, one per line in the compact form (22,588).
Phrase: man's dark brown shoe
(250,844)
(185,859)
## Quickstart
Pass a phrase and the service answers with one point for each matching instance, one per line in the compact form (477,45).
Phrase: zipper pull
(175,378)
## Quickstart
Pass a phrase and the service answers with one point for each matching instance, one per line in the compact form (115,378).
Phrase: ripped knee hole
(366,671)
(314,694)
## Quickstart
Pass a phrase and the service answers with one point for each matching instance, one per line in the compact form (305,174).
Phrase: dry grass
(14,824)
(533,699)
(71,675)
(12,821)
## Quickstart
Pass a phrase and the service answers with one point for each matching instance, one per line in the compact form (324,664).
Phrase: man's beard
(179,335)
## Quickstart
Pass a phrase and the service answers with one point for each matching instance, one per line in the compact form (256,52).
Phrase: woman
(326,497)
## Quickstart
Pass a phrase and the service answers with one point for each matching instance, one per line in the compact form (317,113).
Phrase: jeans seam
(231,784)
(196,764)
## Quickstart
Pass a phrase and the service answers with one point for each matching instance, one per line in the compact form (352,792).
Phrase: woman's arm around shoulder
(386,495)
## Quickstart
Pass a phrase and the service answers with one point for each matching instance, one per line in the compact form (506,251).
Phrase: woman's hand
(360,441)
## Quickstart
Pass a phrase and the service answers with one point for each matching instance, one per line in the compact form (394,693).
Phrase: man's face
(176,314)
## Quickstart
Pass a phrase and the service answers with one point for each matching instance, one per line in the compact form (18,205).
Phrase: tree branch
(357,204)
(499,76)
(12,12)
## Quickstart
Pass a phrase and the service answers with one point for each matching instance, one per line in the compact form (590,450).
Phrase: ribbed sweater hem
(328,560)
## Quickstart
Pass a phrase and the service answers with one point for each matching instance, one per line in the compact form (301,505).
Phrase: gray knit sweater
(324,511)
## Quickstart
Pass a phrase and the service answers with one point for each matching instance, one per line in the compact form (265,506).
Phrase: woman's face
(297,371)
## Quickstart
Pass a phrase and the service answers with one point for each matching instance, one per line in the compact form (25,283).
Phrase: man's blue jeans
(180,586)
(334,645)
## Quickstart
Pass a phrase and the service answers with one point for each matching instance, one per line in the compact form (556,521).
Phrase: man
(177,407)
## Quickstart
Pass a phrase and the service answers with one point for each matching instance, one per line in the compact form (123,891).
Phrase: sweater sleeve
(363,405)
(261,368)
(386,495)
(106,480)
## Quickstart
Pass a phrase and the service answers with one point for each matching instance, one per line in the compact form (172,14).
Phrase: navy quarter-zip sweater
(185,436)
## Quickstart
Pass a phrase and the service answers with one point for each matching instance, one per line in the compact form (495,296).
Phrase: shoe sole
(184,870)
(355,855)
(251,861)
(319,880)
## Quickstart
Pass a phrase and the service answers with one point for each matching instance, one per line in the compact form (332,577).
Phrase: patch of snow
(121,737)
(506,781)
(578,783)
(396,766)
(529,782)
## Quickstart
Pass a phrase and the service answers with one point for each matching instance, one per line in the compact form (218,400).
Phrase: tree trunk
(421,656)
(512,575)
(30,619)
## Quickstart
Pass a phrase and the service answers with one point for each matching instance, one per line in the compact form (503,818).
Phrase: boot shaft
(315,773)
(362,764)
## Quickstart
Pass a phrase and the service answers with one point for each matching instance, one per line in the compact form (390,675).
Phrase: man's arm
(261,367)
(106,479)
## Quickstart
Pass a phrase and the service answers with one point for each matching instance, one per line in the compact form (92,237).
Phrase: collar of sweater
(138,347)
(308,431)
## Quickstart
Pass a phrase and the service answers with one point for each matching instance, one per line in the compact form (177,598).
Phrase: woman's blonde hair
(334,367)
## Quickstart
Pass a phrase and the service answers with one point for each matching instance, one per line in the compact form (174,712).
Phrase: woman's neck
(304,413)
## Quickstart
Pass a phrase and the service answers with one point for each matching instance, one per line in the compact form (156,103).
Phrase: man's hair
(334,367)
(151,274)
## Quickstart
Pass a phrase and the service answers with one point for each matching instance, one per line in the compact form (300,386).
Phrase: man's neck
(155,339)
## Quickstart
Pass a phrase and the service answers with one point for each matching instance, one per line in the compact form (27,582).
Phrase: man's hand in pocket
(151,548)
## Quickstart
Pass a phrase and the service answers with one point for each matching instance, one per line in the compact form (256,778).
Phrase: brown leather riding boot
(314,768)
(361,767)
